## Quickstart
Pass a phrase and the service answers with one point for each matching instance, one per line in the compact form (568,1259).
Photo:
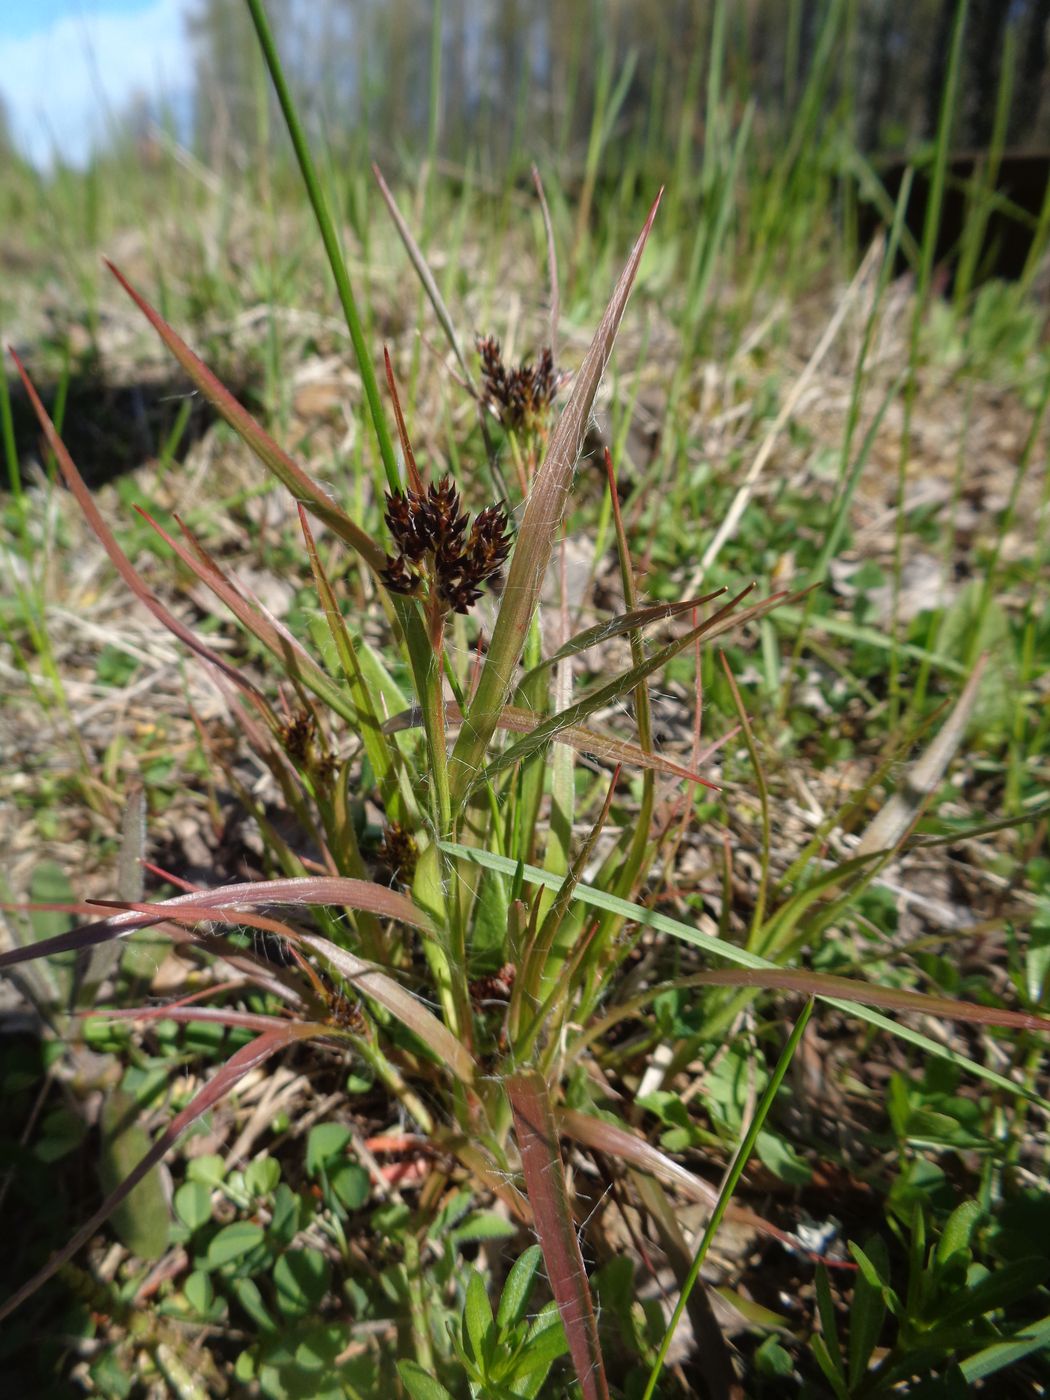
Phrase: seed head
(399,851)
(297,734)
(521,398)
(435,548)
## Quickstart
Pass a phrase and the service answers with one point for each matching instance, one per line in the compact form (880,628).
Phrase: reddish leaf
(319,889)
(823,984)
(187,1015)
(120,560)
(620,1142)
(297,663)
(537,1135)
(415,481)
(235,1068)
(541,523)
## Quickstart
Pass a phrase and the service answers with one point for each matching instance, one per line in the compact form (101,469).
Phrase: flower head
(521,398)
(435,550)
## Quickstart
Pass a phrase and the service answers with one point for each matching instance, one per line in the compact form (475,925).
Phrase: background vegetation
(786,405)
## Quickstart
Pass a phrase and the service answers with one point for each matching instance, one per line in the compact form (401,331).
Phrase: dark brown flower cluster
(304,744)
(521,397)
(298,734)
(399,852)
(345,1014)
(435,548)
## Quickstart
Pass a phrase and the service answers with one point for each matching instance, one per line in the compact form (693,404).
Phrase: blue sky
(67,66)
(21,17)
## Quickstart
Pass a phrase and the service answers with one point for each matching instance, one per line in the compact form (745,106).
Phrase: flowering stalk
(522,398)
(444,561)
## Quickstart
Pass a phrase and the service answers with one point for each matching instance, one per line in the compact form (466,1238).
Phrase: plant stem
(330,239)
(728,1187)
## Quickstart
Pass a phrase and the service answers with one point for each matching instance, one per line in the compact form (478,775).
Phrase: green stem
(433,700)
(733,1175)
(329,238)
(426,675)
(417,1303)
(393,1081)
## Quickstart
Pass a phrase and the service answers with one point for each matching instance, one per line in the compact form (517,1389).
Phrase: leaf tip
(654,208)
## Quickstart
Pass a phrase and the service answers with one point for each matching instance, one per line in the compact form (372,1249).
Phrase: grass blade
(383,755)
(297,893)
(728,1187)
(120,560)
(236,1067)
(729,952)
(330,240)
(924,776)
(575,736)
(1006,1352)
(627,1146)
(617,626)
(426,278)
(623,684)
(297,664)
(828,986)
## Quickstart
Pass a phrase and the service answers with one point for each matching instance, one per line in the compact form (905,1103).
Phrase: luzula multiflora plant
(540,1005)
(441,560)
(467,814)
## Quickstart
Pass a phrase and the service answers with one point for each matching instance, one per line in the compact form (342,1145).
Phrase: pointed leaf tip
(544,513)
(650,219)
